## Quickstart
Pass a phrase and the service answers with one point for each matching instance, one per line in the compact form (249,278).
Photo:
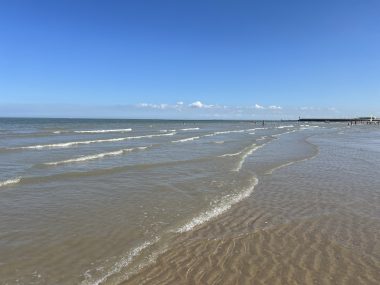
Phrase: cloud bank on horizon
(179,110)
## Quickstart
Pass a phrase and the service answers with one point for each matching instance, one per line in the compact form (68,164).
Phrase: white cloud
(199,105)
(274,107)
(163,106)
(153,106)
(257,106)
(196,104)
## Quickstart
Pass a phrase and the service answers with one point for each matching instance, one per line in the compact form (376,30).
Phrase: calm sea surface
(95,201)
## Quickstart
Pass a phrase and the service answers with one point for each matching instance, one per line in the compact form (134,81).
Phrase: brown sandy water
(316,221)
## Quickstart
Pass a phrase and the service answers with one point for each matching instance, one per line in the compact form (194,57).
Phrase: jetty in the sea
(370,119)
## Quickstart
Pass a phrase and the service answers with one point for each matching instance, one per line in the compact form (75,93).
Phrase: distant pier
(360,120)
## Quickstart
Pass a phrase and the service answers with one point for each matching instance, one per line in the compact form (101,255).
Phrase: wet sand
(316,221)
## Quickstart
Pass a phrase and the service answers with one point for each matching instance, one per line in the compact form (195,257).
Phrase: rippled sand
(313,222)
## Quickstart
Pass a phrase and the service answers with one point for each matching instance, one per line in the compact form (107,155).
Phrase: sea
(106,201)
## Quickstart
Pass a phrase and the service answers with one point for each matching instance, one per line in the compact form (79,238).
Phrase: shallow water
(98,201)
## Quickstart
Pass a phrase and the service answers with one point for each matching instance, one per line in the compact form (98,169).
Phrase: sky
(257,59)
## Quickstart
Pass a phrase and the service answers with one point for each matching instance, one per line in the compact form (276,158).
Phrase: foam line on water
(10,181)
(190,129)
(231,154)
(185,140)
(103,131)
(288,132)
(69,144)
(94,156)
(269,172)
(283,127)
(246,153)
(223,205)
(120,265)
(224,133)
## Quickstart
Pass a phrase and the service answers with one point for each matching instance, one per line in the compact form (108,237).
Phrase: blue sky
(190,59)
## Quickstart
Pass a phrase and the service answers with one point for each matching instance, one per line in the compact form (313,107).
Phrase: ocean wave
(69,144)
(10,181)
(120,265)
(104,131)
(288,132)
(283,127)
(185,140)
(247,152)
(223,205)
(94,156)
(190,129)
(224,133)
(231,154)
(261,138)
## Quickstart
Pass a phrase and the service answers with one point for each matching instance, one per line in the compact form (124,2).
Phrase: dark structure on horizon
(359,119)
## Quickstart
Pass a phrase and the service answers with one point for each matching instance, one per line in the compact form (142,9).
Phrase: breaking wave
(190,129)
(223,205)
(120,265)
(185,140)
(69,144)
(10,181)
(104,131)
(94,156)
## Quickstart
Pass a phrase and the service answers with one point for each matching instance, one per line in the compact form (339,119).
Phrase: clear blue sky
(239,59)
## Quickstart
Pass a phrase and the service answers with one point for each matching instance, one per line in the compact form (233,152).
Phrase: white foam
(281,166)
(282,127)
(288,132)
(190,129)
(307,127)
(186,140)
(219,142)
(94,156)
(247,153)
(69,144)
(120,265)
(165,131)
(261,138)
(10,181)
(231,154)
(104,131)
(223,205)
(224,133)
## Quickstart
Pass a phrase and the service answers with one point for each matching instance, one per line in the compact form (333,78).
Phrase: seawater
(90,201)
